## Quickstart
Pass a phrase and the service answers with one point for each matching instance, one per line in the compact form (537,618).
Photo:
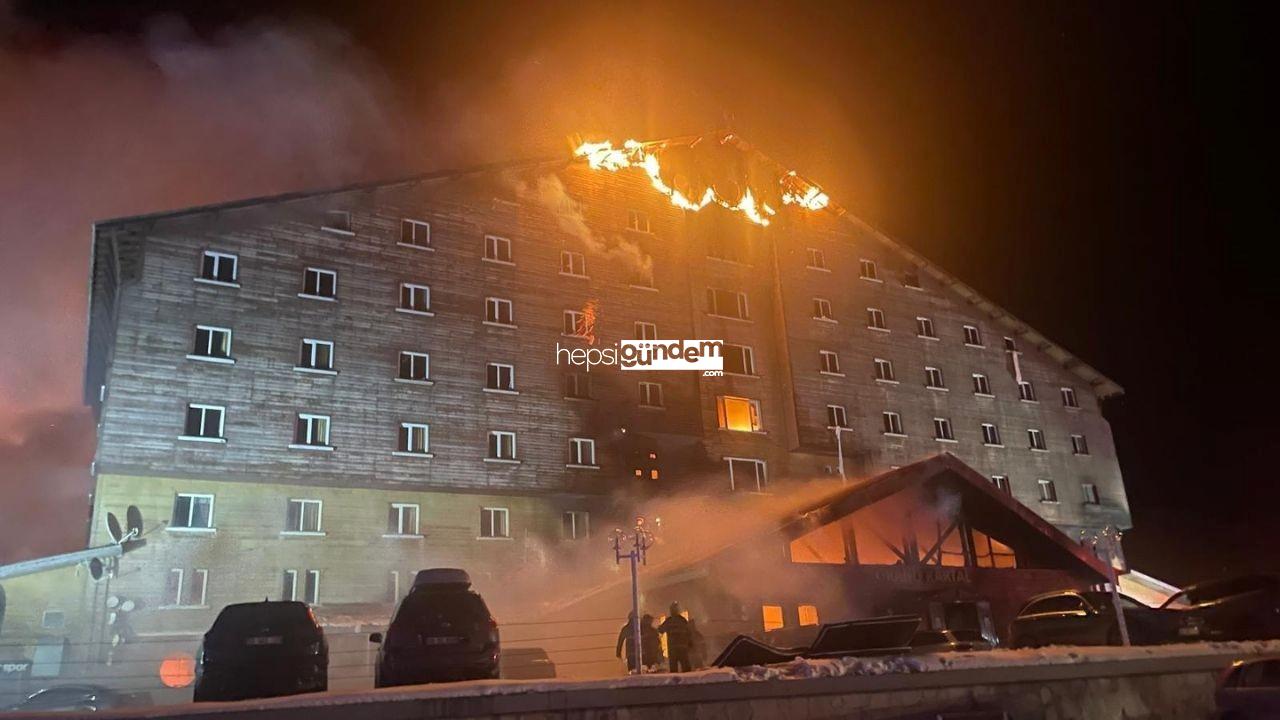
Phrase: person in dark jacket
(679,639)
(650,644)
(625,636)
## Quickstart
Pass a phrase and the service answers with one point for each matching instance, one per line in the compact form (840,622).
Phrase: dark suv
(1070,617)
(262,649)
(442,631)
(1240,608)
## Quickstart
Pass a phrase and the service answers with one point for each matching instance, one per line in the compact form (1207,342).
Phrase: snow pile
(804,668)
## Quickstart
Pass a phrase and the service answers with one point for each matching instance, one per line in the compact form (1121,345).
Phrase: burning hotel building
(312,396)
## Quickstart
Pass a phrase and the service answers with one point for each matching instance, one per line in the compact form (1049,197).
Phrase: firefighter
(679,639)
(625,640)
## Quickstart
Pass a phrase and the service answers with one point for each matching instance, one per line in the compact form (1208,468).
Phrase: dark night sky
(1098,169)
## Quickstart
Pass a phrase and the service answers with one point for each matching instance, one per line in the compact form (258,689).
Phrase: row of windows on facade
(1048,490)
(189,588)
(883,372)
(837,419)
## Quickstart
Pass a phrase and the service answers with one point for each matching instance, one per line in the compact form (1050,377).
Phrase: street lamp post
(1104,543)
(837,429)
(640,540)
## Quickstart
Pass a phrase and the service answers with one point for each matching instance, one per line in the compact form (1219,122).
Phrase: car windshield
(256,618)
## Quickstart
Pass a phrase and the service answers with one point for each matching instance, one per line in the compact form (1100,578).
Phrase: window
(212,343)
(638,221)
(304,516)
(991,435)
(867,270)
(402,519)
(312,430)
(290,590)
(319,283)
(642,277)
(747,475)
(1048,491)
(204,422)
(192,512)
(1002,483)
(738,359)
(808,615)
(981,385)
(183,589)
(651,394)
(989,552)
(933,379)
(501,377)
(414,366)
(739,414)
(1079,446)
(494,523)
(972,336)
(576,525)
(911,278)
(1026,391)
(1069,398)
(311,588)
(582,451)
(1090,493)
(502,445)
(646,331)
(337,221)
(828,362)
(924,328)
(884,370)
(497,249)
(817,260)
(415,438)
(415,298)
(1036,438)
(942,429)
(822,309)
(892,423)
(573,263)
(575,324)
(316,354)
(217,267)
(498,311)
(772,615)
(415,233)
(727,303)
(875,319)
(393,587)
(577,386)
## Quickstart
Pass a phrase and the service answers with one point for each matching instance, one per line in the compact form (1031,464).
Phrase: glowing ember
(752,203)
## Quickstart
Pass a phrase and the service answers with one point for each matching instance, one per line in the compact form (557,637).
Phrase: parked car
(70,698)
(1250,689)
(527,664)
(442,631)
(1240,608)
(262,649)
(1070,617)
(936,641)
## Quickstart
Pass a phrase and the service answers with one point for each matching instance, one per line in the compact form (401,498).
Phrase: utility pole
(840,451)
(1104,544)
(640,540)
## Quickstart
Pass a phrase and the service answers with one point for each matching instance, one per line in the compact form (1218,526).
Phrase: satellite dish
(113,528)
(113,601)
(133,520)
(127,606)
(95,569)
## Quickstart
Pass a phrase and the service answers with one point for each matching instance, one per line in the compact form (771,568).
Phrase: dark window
(738,359)
(577,386)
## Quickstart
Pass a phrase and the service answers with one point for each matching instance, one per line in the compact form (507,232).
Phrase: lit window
(933,379)
(822,309)
(991,553)
(316,354)
(415,438)
(502,445)
(212,343)
(826,545)
(726,303)
(192,512)
(319,284)
(646,331)
(574,324)
(304,516)
(1036,439)
(577,386)
(942,429)
(875,319)
(494,523)
(1079,445)
(1002,483)
(892,423)
(500,376)
(573,263)
(218,267)
(836,417)
(337,221)
(576,525)
(415,233)
(415,298)
(738,359)
(1026,391)
(312,431)
(1090,493)
(497,249)
(828,362)
(737,413)
(498,311)
(1048,491)
(808,615)
(414,366)
(884,370)
(981,385)
(772,615)
(205,422)
(867,270)
(990,434)
(817,260)
(638,221)
(747,475)
(972,336)
(651,394)
(924,328)
(582,451)
(402,519)
(1069,398)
